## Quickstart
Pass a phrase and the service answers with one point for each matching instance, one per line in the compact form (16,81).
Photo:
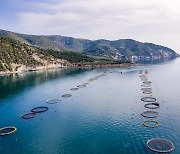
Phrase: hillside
(18,57)
(123,49)
(15,56)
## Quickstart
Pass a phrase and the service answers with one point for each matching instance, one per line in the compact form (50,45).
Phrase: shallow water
(103,117)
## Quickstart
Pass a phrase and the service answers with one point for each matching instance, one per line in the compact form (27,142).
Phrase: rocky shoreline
(56,66)
(103,65)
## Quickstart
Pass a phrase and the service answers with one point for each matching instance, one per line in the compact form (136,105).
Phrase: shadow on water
(14,83)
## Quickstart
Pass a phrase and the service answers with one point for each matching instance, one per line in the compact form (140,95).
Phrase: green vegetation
(119,49)
(14,54)
(82,59)
(72,57)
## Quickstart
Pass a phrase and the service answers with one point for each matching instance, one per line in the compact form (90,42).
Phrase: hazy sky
(156,21)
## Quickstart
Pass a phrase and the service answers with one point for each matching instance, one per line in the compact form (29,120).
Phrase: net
(152,105)
(160,145)
(147,92)
(146,72)
(53,101)
(90,80)
(146,89)
(150,114)
(74,89)
(66,95)
(148,99)
(7,130)
(147,82)
(39,109)
(151,123)
(146,85)
(28,115)
(140,71)
(81,86)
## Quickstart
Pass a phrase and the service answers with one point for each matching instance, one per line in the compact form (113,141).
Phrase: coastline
(24,69)
(103,65)
(56,66)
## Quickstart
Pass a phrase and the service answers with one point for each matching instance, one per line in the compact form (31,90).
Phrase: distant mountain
(125,49)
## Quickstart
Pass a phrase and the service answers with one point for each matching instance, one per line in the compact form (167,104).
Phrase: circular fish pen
(147,82)
(151,123)
(147,92)
(81,86)
(150,114)
(146,89)
(140,71)
(74,89)
(146,72)
(148,99)
(160,145)
(90,80)
(152,105)
(29,115)
(146,85)
(66,95)
(39,109)
(53,101)
(7,130)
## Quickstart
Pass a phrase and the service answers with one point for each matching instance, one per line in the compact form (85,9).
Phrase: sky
(155,21)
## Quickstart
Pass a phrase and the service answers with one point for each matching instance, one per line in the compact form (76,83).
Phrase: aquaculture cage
(39,109)
(160,145)
(152,105)
(140,71)
(66,95)
(146,89)
(91,80)
(53,101)
(81,86)
(151,123)
(29,115)
(146,85)
(148,99)
(146,72)
(150,114)
(74,89)
(7,130)
(147,92)
(147,82)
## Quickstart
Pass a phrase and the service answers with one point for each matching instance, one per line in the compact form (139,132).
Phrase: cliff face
(125,49)
(17,57)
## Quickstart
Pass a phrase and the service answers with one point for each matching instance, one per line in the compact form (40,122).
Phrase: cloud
(103,18)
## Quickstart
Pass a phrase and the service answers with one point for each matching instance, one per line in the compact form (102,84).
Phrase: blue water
(102,118)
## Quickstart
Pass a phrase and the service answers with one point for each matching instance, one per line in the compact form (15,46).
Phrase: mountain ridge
(121,49)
